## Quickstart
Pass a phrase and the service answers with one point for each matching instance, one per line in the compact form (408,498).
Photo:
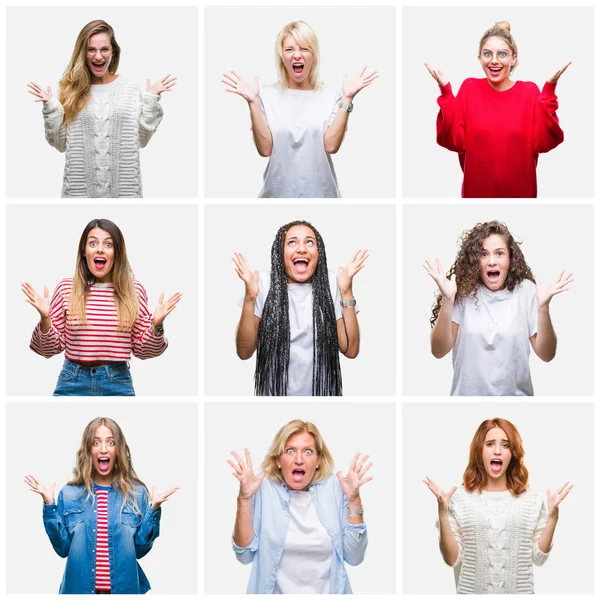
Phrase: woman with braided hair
(488,311)
(298,316)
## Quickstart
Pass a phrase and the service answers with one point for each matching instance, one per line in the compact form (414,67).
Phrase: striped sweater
(102,558)
(102,143)
(99,339)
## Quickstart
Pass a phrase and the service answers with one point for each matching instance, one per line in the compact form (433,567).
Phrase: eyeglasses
(501,55)
(91,52)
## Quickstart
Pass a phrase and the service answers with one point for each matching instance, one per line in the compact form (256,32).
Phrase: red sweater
(99,338)
(498,135)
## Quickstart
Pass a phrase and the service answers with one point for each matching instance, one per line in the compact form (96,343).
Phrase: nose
(298,460)
(497,450)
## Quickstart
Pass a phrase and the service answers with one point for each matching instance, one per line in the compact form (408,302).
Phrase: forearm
(150,118)
(441,335)
(247,331)
(45,324)
(334,134)
(545,541)
(56,132)
(545,342)
(263,139)
(448,543)
(348,331)
(243,531)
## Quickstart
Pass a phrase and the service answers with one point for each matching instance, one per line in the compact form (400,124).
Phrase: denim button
(93,370)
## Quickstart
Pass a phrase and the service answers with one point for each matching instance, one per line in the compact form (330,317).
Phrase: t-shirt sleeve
(336,104)
(532,310)
(458,311)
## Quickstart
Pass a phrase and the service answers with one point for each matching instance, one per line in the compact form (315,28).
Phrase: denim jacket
(270,519)
(71,526)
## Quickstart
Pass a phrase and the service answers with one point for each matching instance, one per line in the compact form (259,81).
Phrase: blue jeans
(107,380)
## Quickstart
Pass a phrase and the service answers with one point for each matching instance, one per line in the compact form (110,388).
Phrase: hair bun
(503,25)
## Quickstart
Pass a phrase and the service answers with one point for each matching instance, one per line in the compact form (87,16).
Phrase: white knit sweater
(103,143)
(497,537)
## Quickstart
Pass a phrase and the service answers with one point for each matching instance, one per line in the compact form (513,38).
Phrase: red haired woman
(495,515)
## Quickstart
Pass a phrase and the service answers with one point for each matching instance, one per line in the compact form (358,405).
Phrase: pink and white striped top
(102,559)
(99,339)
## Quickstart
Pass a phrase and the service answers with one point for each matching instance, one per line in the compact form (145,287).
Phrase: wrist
(544,308)
(346,295)
(244,501)
(346,99)
(355,503)
(250,298)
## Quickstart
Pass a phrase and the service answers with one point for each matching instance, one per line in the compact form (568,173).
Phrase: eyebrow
(495,249)
(300,447)
(295,237)
(108,438)
(93,237)
(494,439)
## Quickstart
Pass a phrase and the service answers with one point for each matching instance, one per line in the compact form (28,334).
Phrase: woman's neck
(102,480)
(503,85)
(496,485)
(108,77)
(304,86)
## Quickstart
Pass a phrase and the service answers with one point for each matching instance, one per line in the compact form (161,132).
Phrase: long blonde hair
(125,295)
(76,80)
(124,475)
(305,37)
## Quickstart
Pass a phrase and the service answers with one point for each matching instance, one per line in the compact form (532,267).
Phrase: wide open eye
(289,451)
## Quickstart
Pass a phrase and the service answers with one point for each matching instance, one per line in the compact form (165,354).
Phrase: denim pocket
(120,375)
(66,375)
(73,517)
(130,518)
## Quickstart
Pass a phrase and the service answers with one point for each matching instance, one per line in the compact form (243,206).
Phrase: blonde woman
(295,522)
(298,123)
(99,318)
(100,119)
(104,518)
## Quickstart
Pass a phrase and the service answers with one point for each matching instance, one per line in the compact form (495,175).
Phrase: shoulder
(526,287)
(271,92)
(139,489)
(139,288)
(472,83)
(72,493)
(65,284)
(528,87)
(329,92)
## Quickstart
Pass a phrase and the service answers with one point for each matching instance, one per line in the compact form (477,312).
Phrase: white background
(554,237)
(160,241)
(547,38)
(251,230)
(558,443)
(162,439)
(349,39)
(359,427)
(154,41)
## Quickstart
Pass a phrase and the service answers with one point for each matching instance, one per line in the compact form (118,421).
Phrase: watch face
(350,107)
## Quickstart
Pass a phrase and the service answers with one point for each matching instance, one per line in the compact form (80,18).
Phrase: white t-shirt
(306,560)
(298,166)
(491,353)
(300,299)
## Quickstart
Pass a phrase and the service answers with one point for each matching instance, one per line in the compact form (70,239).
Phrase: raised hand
(352,85)
(42,95)
(347,273)
(42,305)
(157,498)
(46,492)
(249,89)
(163,309)
(355,477)
(163,85)
(243,472)
(443,498)
(437,75)
(446,286)
(555,499)
(556,76)
(545,293)
(246,274)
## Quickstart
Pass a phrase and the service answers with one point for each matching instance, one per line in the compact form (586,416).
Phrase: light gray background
(558,443)
(548,38)
(42,246)
(554,237)
(243,39)
(154,41)
(251,230)
(359,427)
(163,442)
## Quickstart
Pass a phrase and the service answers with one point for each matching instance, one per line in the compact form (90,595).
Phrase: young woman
(497,125)
(299,316)
(99,318)
(489,310)
(494,528)
(104,518)
(299,122)
(100,119)
(295,522)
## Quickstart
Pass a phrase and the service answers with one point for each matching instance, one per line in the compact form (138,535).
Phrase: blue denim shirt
(270,519)
(71,525)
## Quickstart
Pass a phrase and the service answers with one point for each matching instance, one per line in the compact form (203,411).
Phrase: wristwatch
(356,511)
(348,107)
(348,304)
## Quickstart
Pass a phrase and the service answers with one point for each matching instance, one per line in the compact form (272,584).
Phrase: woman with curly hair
(299,122)
(295,522)
(498,126)
(299,316)
(100,119)
(104,518)
(488,311)
(496,516)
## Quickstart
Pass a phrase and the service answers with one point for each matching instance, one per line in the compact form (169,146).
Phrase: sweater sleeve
(450,123)
(547,133)
(539,557)
(150,117)
(456,531)
(56,132)
(144,344)
(53,341)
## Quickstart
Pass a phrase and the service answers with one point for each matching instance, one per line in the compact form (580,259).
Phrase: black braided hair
(273,344)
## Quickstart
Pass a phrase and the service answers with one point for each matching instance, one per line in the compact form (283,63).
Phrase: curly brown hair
(517,476)
(466,266)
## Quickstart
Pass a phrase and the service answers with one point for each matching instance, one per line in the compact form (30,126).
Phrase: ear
(515,57)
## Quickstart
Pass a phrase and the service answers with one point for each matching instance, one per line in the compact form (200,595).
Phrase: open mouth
(100,262)
(496,465)
(298,474)
(493,275)
(103,464)
(298,68)
(495,71)
(301,264)
(98,65)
